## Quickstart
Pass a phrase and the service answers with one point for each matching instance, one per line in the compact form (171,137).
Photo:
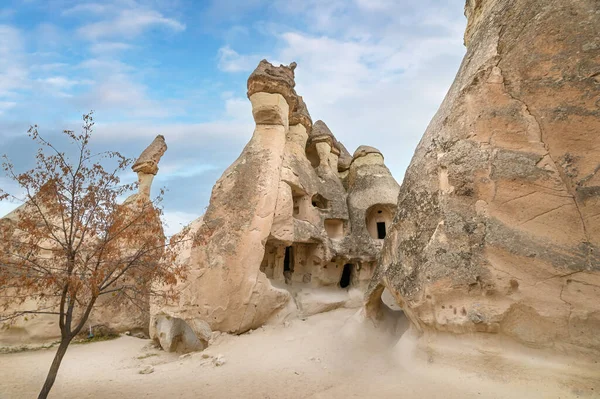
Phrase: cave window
(378,219)
(381,230)
(318,201)
(346,276)
(300,203)
(296,202)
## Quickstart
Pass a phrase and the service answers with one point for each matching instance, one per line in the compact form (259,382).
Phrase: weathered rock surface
(498,224)
(176,335)
(267,78)
(372,198)
(224,286)
(279,225)
(118,316)
(150,157)
(146,167)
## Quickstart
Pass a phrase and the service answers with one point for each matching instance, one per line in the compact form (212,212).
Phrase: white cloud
(374,4)
(113,86)
(220,132)
(239,109)
(6,105)
(232,61)
(13,69)
(178,169)
(88,8)
(109,47)
(62,82)
(128,23)
(375,77)
(52,66)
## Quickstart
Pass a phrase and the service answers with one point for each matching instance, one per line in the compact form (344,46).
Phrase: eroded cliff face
(498,221)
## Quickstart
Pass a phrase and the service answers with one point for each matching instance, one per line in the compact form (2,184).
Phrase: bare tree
(71,242)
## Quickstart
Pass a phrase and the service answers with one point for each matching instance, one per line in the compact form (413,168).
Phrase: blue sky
(374,70)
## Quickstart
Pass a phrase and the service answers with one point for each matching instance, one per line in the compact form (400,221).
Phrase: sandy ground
(329,355)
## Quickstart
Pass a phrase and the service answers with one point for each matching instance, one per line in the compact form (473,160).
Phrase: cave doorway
(381,230)
(346,276)
(287,260)
(288,265)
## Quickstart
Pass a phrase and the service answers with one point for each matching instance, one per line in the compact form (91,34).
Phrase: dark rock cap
(301,116)
(277,80)
(364,150)
(345,158)
(150,157)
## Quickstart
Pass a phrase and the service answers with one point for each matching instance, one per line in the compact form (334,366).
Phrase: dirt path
(325,356)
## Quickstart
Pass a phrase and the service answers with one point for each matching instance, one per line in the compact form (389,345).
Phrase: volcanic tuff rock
(120,317)
(175,335)
(150,157)
(498,224)
(279,225)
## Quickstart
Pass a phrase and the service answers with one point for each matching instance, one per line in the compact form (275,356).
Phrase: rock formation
(498,224)
(146,166)
(288,219)
(111,315)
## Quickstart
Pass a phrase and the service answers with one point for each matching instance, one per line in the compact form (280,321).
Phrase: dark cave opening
(346,276)
(381,230)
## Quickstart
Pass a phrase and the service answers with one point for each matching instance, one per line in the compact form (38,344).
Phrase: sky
(374,70)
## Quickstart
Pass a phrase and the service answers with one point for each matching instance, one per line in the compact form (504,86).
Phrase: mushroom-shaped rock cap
(150,157)
(276,80)
(321,133)
(345,158)
(320,129)
(364,150)
(300,115)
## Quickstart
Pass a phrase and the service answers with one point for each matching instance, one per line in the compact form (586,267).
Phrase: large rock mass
(498,221)
(286,231)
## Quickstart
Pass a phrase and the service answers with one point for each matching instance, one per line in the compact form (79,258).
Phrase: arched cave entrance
(378,220)
(346,276)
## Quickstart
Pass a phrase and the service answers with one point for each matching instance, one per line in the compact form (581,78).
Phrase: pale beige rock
(498,225)
(278,225)
(146,167)
(269,109)
(150,157)
(224,286)
(364,150)
(270,79)
(119,317)
(176,335)
(345,159)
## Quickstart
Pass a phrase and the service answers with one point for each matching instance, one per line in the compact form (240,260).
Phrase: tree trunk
(60,353)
